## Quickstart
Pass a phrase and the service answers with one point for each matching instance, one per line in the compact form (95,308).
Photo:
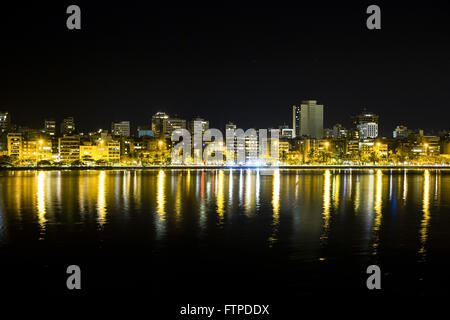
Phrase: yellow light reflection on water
(275,206)
(178,198)
(230,187)
(160,198)
(326,205)
(248,205)
(336,190)
(41,203)
(405,185)
(426,214)
(160,205)
(101,202)
(220,197)
(378,204)
(188,181)
(357,195)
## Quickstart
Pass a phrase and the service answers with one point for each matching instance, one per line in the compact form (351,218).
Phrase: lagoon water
(305,231)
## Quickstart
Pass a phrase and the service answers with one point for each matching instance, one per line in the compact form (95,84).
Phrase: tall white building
(368,130)
(311,119)
(121,128)
(199,124)
(197,127)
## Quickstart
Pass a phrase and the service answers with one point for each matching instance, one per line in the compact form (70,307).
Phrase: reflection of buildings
(319,209)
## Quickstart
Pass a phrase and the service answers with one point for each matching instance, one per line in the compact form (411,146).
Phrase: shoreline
(299,167)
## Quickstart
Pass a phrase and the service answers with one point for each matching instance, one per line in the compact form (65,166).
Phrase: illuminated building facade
(158,123)
(121,128)
(5,121)
(68,126)
(361,119)
(311,119)
(15,145)
(368,130)
(296,114)
(108,151)
(69,148)
(400,132)
(171,124)
(37,150)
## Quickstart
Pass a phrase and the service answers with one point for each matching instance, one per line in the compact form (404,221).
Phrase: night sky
(222,61)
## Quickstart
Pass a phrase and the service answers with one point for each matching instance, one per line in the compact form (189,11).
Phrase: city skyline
(191,152)
(133,128)
(250,66)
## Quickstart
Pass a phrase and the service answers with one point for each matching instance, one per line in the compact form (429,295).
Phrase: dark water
(209,232)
